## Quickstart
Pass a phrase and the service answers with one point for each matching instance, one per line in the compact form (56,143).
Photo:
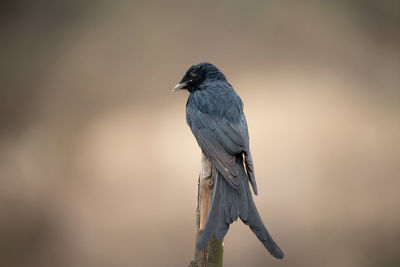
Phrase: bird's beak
(179,86)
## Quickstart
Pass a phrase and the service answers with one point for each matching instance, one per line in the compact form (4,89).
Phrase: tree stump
(212,255)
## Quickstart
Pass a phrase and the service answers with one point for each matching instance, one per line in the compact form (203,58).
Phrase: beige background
(98,167)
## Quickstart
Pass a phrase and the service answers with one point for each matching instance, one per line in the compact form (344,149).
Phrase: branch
(212,255)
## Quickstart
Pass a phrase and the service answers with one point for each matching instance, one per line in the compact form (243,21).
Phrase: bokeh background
(98,167)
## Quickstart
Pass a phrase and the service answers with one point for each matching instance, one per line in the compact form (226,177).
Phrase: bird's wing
(221,141)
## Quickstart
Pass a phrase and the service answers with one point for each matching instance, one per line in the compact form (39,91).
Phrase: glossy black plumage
(215,115)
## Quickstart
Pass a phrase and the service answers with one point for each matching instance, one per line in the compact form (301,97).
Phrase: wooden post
(212,255)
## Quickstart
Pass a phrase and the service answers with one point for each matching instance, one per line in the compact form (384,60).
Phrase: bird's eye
(192,74)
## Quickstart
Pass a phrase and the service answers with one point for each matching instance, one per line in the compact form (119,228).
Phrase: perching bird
(215,115)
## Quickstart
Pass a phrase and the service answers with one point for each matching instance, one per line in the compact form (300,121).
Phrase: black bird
(215,115)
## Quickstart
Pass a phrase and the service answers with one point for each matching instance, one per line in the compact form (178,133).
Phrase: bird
(214,113)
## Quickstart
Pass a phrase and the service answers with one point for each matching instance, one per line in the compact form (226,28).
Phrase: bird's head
(196,74)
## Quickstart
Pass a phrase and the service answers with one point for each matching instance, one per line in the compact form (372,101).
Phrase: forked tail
(227,204)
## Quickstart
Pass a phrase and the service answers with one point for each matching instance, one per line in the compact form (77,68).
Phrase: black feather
(215,115)
(226,204)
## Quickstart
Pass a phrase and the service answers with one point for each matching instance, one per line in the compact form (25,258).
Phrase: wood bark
(212,255)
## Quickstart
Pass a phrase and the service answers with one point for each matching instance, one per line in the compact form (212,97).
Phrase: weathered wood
(212,255)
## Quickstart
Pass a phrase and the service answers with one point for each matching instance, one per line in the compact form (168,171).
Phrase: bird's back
(216,99)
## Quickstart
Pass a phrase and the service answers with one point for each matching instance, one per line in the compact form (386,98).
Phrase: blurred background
(97,164)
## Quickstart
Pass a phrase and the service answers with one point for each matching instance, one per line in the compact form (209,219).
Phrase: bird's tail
(227,204)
